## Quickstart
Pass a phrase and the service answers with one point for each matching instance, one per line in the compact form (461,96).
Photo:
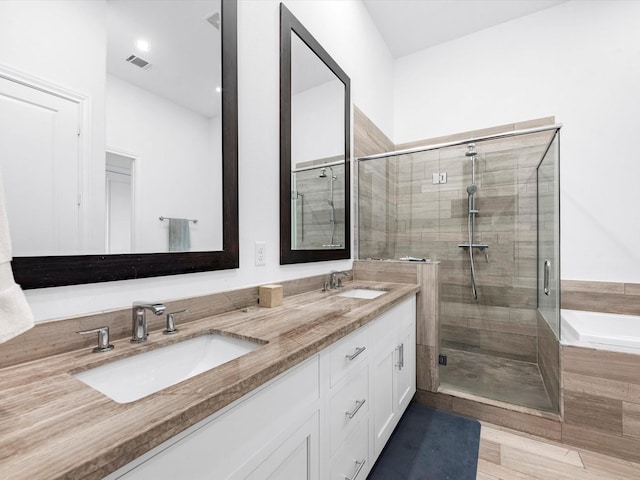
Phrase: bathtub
(604,331)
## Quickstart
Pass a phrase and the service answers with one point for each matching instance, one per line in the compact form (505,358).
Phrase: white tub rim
(579,328)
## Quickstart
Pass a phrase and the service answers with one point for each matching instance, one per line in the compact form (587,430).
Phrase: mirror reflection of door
(317,152)
(39,162)
(119,203)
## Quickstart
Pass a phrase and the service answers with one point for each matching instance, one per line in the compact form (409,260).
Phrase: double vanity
(310,389)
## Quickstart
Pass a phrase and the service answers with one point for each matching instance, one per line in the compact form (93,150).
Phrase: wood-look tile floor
(509,455)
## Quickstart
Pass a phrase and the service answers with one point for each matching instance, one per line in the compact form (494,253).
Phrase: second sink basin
(140,375)
(363,293)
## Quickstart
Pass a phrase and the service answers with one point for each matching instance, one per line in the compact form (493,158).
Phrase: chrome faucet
(139,328)
(334,280)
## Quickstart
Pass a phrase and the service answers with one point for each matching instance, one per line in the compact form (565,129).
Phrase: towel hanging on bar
(194,220)
(179,235)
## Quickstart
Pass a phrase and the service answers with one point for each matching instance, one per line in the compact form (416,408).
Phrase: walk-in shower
(487,209)
(317,206)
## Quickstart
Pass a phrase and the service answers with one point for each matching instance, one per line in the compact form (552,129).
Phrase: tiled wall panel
(609,297)
(549,361)
(602,401)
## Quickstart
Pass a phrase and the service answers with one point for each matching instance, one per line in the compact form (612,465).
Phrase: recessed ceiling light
(218,89)
(142,45)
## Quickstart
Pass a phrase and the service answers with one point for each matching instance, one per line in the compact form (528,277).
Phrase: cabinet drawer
(352,459)
(348,406)
(349,352)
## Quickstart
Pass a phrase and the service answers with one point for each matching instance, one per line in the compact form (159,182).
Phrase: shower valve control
(439,178)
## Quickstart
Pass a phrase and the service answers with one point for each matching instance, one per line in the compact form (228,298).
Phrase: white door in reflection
(119,203)
(40,164)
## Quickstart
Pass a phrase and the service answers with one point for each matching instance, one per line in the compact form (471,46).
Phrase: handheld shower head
(471,189)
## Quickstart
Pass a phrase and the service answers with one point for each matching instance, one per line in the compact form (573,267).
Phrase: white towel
(15,315)
(179,235)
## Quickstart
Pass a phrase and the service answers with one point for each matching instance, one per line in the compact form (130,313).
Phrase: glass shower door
(548,187)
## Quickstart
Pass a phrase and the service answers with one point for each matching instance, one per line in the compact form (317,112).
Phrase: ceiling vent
(214,19)
(138,62)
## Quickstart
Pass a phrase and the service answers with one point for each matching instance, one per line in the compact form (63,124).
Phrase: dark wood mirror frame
(289,25)
(53,271)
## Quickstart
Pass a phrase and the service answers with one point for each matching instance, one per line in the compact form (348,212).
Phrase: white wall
(579,61)
(346,31)
(177,171)
(316,128)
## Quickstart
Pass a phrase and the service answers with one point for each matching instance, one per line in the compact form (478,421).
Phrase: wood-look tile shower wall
(403,213)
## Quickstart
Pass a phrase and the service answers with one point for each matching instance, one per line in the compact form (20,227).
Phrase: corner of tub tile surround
(59,336)
(610,297)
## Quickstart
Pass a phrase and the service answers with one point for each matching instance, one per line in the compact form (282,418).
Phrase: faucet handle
(171,325)
(103,338)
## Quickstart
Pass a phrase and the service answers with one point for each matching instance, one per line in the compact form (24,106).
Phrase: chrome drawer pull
(400,363)
(359,350)
(359,465)
(351,414)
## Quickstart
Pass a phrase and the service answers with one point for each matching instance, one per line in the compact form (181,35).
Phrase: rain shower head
(323,173)
(472,150)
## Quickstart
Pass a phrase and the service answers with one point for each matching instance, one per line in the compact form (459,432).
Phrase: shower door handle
(547,276)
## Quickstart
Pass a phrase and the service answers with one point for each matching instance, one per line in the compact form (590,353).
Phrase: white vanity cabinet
(368,398)
(327,418)
(393,367)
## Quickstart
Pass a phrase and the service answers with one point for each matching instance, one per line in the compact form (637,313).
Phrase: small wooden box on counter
(270,295)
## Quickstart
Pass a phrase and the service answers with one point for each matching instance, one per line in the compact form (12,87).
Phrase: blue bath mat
(429,444)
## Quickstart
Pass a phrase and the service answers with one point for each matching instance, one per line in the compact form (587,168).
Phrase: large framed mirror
(118,138)
(314,149)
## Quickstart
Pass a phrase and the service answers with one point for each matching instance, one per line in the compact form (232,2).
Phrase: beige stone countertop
(52,426)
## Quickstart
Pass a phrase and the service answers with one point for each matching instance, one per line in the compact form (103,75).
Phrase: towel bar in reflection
(194,220)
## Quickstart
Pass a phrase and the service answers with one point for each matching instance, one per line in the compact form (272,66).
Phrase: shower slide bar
(512,133)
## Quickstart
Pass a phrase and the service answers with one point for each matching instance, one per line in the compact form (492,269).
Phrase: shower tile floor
(511,381)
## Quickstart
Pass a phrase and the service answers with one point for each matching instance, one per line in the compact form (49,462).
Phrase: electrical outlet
(261,253)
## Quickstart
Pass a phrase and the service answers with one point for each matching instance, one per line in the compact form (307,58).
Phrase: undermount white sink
(363,293)
(140,375)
